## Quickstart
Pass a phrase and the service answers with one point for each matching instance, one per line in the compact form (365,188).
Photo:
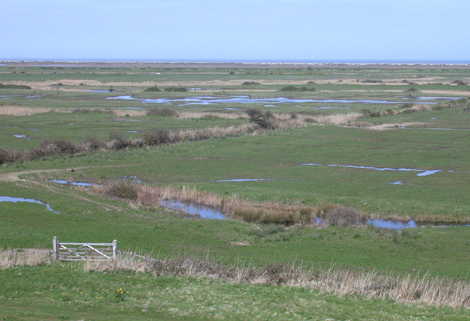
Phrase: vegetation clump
(293,88)
(162,112)
(152,89)
(2,86)
(250,83)
(372,81)
(122,190)
(265,120)
(341,216)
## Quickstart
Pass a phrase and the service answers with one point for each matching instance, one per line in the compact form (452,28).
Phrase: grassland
(63,104)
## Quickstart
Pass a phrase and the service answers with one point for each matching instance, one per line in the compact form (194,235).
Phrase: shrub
(122,190)
(341,216)
(406,105)
(372,81)
(93,143)
(369,113)
(288,88)
(152,89)
(293,88)
(265,120)
(57,147)
(250,83)
(163,112)
(157,137)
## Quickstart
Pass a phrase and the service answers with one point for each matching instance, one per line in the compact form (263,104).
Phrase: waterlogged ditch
(424,172)
(266,101)
(26,200)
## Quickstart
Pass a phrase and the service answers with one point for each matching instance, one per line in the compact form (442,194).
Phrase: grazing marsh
(371,142)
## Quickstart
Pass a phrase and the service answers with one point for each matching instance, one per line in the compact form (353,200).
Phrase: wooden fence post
(55,248)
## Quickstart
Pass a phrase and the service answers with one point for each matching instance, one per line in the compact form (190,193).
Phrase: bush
(93,143)
(163,112)
(372,81)
(157,138)
(265,120)
(152,89)
(406,105)
(341,216)
(369,113)
(250,83)
(293,88)
(122,190)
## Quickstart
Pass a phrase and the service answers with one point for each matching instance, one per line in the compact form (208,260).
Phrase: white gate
(84,251)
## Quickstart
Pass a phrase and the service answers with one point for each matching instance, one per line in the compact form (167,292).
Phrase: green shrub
(2,86)
(152,89)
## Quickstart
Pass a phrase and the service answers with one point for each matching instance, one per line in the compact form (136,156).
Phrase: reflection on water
(26,200)
(62,181)
(391,225)
(424,171)
(248,100)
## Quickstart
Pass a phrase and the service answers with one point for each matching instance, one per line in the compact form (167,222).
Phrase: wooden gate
(84,251)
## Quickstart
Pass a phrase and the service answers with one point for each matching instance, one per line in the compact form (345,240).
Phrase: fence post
(115,250)
(55,248)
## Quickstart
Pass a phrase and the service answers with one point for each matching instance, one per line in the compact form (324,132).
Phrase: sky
(236,30)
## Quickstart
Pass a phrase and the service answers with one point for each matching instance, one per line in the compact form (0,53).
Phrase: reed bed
(233,207)
(23,111)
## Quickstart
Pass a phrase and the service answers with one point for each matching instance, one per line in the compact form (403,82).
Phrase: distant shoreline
(227,64)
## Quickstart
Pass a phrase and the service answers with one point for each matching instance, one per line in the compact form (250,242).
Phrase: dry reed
(23,111)
(28,257)
(409,288)
(338,119)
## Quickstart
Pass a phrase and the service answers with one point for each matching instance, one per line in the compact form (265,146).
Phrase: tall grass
(414,287)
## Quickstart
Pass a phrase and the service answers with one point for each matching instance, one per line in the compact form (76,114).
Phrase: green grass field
(434,139)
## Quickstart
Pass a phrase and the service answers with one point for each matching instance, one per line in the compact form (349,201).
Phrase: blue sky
(236,30)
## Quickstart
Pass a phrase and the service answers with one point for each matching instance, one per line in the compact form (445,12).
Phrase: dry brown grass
(410,288)
(28,257)
(23,111)
(233,207)
(338,119)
